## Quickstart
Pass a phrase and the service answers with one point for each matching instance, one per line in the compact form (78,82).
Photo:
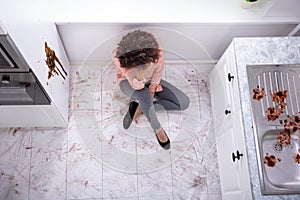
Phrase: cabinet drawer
(220,93)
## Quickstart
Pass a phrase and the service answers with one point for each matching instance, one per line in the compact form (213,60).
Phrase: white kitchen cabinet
(30,35)
(228,128)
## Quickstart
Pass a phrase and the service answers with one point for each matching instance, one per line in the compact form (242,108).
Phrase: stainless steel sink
(285,173)
(283,177)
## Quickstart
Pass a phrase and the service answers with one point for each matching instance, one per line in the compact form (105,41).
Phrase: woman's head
(137,48)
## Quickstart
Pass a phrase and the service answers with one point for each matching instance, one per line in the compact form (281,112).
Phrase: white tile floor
(95,158)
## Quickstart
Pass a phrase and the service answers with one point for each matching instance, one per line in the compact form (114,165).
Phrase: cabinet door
(234,175)
(232,79)
(221,100)
(230,176)
(242,164)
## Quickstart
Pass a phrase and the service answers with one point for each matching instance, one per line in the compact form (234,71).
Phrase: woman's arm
(133,81)
(157,74)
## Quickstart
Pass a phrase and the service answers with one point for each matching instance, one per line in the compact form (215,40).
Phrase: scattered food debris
(284,139)
(292,123)
(86,183)
(259,93)
(51,58)
(297,157)
(270,160)
(273,113)
(111,139)
(278,97)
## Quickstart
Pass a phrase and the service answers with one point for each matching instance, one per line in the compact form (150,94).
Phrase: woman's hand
(155,88)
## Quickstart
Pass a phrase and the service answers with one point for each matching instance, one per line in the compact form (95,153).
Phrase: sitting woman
(141,64)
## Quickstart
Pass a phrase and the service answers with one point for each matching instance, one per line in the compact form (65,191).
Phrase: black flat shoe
(129,115)
(166,145)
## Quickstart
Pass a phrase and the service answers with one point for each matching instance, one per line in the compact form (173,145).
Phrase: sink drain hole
(277,147)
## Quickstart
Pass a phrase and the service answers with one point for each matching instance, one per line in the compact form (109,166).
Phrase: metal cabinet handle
(227,112)
(230,77)
(237,156)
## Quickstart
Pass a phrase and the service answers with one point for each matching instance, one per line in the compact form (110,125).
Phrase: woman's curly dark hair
(137,48)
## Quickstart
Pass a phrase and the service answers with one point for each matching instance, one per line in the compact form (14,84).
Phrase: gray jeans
(171,98)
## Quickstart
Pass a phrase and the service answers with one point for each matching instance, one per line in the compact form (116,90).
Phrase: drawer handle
(227,112)
(237,156)
(230,77)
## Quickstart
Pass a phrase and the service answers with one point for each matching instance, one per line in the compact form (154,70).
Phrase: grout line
(172,177)
(67,158)
(168,117)
(70,105)
(30,160)
(136,161)
(198,75)
(101,129)
(137,169)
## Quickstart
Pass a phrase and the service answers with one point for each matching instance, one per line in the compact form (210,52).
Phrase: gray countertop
(263,50)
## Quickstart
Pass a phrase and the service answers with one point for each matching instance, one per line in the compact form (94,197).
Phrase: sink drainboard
(277,81)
